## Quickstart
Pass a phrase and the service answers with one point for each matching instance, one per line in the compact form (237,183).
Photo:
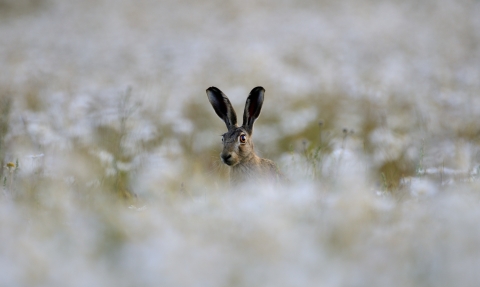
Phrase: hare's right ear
(253,106)
(222,107)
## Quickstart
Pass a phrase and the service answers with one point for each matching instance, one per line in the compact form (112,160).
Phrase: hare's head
(237,141)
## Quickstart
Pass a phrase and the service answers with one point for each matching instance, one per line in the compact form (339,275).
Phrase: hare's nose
(226,157)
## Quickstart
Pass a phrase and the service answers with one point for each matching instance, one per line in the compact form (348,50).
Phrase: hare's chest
(241,174)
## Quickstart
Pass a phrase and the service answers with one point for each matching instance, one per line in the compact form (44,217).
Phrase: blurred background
(110,148)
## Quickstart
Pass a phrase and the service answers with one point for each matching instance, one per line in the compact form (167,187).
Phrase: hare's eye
(243,139)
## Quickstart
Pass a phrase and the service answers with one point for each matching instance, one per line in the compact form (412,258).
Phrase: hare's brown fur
(255,168)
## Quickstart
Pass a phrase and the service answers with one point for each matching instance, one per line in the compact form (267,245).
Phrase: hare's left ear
(222,106)
(253,106)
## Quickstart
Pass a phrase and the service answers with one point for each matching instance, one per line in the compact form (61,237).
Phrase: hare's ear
(253,107)
(222,107)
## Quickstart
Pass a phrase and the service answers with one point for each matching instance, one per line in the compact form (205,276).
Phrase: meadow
(111,174)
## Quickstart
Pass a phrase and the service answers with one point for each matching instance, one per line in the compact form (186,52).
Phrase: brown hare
(238,152)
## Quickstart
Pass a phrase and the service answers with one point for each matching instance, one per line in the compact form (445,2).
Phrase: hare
(238,152)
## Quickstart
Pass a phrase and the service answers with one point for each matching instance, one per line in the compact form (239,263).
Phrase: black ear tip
(257,90)
(213,89)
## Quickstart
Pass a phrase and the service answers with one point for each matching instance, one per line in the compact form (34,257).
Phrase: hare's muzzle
(227,158)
